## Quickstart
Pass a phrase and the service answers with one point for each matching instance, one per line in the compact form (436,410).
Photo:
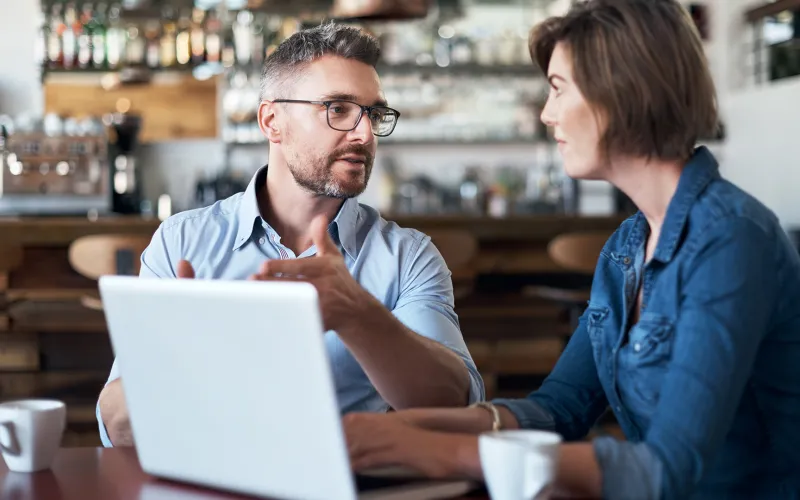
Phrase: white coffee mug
(31,432)
(519,464)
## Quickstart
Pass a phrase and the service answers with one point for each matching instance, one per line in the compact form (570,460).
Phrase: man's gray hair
(306,46)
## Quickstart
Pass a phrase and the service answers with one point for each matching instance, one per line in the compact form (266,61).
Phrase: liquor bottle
(183,41)
(168,39)
(243,37)
(86,21)
(43,38)
(115,38)
(213,37)
(153,45)
(55,53)
(228,48)
(69,39)
(135,45)
(99,37)
(198,36)
(258,40)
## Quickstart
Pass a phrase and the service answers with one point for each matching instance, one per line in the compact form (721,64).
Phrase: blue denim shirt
(706,386)
(399,266)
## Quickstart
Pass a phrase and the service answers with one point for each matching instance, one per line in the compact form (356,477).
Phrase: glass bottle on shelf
(152,44)
(183,41)
(116,38)
(198,36)
(99,37)
(258,40)
(55,54)
(213,37)
(168,52)
(69,38)
(243,37)
(86,22)
(135,45)
(228,47)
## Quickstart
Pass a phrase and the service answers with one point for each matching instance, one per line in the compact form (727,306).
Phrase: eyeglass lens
(344,115)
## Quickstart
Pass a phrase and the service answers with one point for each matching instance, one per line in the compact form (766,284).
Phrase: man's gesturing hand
(341,297)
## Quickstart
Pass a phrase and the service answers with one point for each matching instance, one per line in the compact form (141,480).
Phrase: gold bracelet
(491,409)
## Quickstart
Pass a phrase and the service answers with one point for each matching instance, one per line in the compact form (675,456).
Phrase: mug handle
(10,445)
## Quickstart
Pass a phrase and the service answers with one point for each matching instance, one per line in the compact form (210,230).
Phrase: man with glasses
(385,292)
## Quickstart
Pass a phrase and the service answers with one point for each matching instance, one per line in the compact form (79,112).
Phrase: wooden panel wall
(173,108)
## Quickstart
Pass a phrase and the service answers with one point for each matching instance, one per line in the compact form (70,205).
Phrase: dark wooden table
(101,474)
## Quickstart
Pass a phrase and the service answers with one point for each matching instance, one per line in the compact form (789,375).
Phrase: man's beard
(316,174)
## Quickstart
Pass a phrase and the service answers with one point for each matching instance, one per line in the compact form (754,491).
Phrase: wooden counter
(52,345)
(63,230)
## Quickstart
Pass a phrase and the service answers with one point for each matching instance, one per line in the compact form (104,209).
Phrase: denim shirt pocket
(647,354)
(596,326)
(595,317)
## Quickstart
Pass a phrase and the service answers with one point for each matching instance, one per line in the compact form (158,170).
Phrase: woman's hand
(379,440)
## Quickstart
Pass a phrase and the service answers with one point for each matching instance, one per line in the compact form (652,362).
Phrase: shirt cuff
(629,470)
(477,391)
(529,414)
(103,432)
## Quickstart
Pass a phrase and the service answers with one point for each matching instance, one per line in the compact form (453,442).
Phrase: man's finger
(264,277)
(185,269)
(319,235)
(310,268)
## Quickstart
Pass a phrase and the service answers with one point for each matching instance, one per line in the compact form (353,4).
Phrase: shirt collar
(343,228)
(701,169)
(248,213)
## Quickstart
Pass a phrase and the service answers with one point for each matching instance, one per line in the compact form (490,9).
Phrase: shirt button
(637,347)
(626,260)
(261,241)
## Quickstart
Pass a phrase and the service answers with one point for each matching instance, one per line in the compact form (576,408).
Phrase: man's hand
(185,269)
(340,295)
(114,412)
(379,440)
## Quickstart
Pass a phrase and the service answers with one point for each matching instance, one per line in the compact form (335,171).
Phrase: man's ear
(268,122)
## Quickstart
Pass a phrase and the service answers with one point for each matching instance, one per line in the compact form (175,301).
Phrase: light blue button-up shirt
(399,266)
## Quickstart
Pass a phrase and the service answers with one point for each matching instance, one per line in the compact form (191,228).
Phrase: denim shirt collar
(701,169)
(343,228)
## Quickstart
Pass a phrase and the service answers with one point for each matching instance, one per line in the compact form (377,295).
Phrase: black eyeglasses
(345,116)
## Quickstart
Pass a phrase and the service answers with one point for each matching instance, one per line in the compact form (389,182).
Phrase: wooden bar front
(53,345)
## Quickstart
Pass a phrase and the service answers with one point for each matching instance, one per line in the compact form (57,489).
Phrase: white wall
(761,152)
(763,149)
(20,91)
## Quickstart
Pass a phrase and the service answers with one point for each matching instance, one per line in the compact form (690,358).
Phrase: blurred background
(115,115)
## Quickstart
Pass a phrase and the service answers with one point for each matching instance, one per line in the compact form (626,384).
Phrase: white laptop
(229,386)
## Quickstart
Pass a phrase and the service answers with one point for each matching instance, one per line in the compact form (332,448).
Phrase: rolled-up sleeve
(155,263)
(728,292)
(571,398)
(426,306)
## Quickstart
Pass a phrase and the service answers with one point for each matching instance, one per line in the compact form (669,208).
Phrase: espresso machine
(53,174)
(126,179)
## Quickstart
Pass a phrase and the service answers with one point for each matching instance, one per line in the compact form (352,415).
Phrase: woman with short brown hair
(692,332)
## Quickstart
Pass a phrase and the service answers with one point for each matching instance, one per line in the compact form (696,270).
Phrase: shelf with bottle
(100,37)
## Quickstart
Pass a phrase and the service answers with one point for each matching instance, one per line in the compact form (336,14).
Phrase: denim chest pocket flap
(650,339)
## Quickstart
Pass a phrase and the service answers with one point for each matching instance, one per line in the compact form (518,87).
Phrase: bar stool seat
(106,254)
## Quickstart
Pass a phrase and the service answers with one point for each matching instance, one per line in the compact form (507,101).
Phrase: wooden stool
(577,253)
(459,250)
(97,255)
